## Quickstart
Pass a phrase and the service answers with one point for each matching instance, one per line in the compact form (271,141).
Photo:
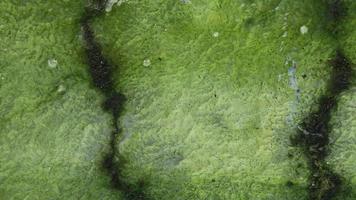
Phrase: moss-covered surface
(214,114)
(347,30)
(53,131)
(215,89)
(342,137)
(342,157)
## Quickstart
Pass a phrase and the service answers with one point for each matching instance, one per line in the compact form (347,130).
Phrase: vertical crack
(313,133)
(101,74)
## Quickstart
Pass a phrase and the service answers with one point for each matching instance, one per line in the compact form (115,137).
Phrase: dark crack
(313,133)
(101,74)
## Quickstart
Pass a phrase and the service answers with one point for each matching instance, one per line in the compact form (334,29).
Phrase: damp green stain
(209,118)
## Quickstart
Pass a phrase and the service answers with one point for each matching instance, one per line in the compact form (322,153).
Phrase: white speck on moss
(304,29)
(147,62)
(52,63)
(61,89)
(216,34)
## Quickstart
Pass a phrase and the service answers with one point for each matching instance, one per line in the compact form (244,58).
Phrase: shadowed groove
(101,74)
(313,133)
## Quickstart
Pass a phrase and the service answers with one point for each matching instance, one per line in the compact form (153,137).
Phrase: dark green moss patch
(336,12)
(289,184)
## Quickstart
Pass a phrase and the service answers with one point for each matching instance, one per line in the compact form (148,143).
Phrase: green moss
(209,118)
(53,131)
(348,33)
(343,121)
(343,148)
(216,108)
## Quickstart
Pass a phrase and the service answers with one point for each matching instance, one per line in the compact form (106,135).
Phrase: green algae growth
(214,89)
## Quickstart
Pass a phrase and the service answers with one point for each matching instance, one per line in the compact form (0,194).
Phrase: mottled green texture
(343,155)
(210,118)
(52,142)
(348,31)
(343,123)
(343,138)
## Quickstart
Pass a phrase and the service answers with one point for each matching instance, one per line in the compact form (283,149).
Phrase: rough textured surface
(53,132)
(211,117)
(214,91)
(348,31)
(343,120)
(342,157)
